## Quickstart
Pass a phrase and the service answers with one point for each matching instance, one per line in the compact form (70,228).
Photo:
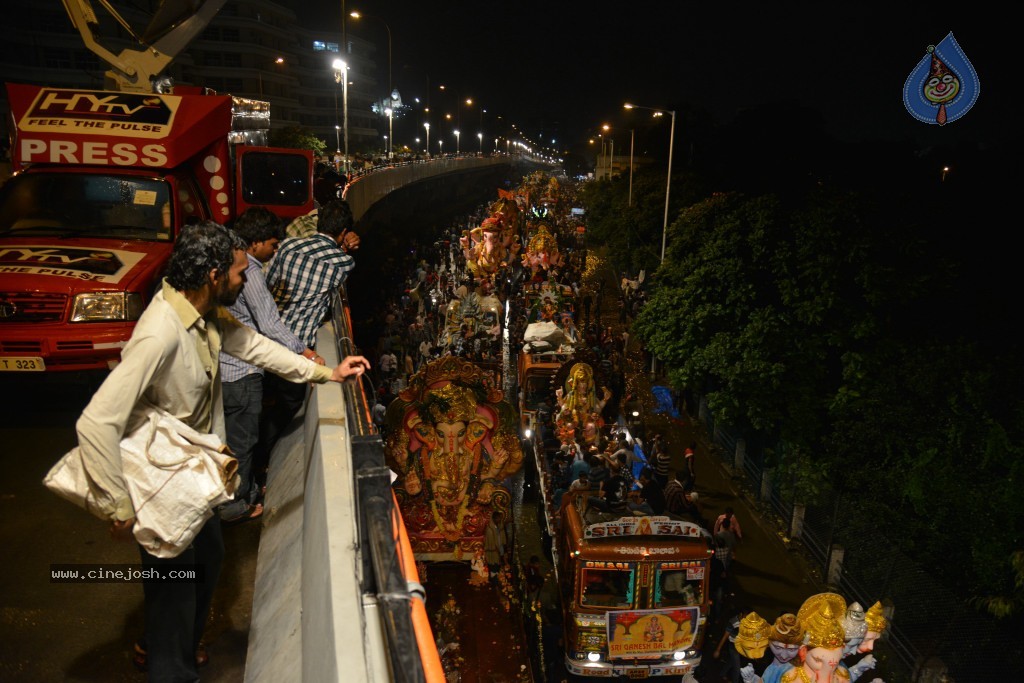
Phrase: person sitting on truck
(302,276)
(242,383)
(651,493)
(599,472)
(581,484)
(611,498)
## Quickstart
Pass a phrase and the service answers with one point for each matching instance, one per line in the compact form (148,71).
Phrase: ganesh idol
(821,617)
(542,251)
(483,248)
(578,402)
(452,441)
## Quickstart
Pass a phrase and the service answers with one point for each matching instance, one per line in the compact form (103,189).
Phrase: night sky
(562,68)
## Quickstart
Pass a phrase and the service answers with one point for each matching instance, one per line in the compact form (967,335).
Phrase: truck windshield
(536,390)
(86,205)
(680,584)
(607,587)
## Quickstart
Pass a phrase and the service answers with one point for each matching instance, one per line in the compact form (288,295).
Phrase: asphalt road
(83,632)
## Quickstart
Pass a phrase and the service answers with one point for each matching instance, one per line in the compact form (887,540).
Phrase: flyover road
(83,632)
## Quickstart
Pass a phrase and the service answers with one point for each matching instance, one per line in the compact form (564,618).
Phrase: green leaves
(297,137)
(822,323)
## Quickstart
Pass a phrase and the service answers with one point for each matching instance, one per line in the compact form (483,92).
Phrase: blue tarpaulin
(663,401)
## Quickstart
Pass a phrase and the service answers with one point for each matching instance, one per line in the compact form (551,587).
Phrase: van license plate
(21,364)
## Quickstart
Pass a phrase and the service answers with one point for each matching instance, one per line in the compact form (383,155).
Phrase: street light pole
(456,142)
(427,126)
(630,202)
(344,105)
(480,137)
(391,114)
(668,182)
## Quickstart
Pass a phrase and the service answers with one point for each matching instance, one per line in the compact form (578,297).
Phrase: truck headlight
(106,307)
(594,656)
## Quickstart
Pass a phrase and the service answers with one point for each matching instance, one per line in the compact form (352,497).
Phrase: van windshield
(86,205)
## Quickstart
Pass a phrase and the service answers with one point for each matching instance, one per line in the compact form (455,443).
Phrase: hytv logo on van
(87,260)
(87,105)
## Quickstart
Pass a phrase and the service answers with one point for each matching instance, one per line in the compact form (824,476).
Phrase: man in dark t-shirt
(651,491)
(612,496)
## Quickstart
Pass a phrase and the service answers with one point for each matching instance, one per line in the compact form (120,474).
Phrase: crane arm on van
(175,24)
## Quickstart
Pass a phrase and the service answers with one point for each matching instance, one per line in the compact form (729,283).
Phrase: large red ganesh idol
(452,441)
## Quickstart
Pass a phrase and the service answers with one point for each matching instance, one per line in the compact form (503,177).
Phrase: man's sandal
(251,512)
(139,656)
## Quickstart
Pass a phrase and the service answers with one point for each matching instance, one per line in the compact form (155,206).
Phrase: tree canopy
(296,137)
(864,336)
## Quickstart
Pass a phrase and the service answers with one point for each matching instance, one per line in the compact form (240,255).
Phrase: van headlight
(106,307)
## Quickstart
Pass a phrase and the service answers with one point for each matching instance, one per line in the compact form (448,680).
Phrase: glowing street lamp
(668,183)
(440,147)
(456,142)
(480,137)
(279,61)
(427,126)
(360,15)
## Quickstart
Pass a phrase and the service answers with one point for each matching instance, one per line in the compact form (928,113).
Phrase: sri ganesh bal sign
(651,633)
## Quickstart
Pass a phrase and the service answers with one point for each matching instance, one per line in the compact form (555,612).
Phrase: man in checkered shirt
(241,382)
(301,277)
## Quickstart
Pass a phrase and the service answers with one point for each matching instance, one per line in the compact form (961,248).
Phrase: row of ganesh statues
(811,645)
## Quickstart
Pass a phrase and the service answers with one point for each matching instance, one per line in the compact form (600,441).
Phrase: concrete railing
(366,190)
(311,621)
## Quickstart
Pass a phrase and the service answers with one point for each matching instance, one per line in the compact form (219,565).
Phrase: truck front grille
(31,307)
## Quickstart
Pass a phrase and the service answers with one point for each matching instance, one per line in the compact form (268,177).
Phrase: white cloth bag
(175,477)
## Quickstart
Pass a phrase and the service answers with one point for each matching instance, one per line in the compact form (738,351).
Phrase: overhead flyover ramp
(367,189)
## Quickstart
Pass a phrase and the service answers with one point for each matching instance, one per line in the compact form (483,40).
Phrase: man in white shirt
(171,362)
